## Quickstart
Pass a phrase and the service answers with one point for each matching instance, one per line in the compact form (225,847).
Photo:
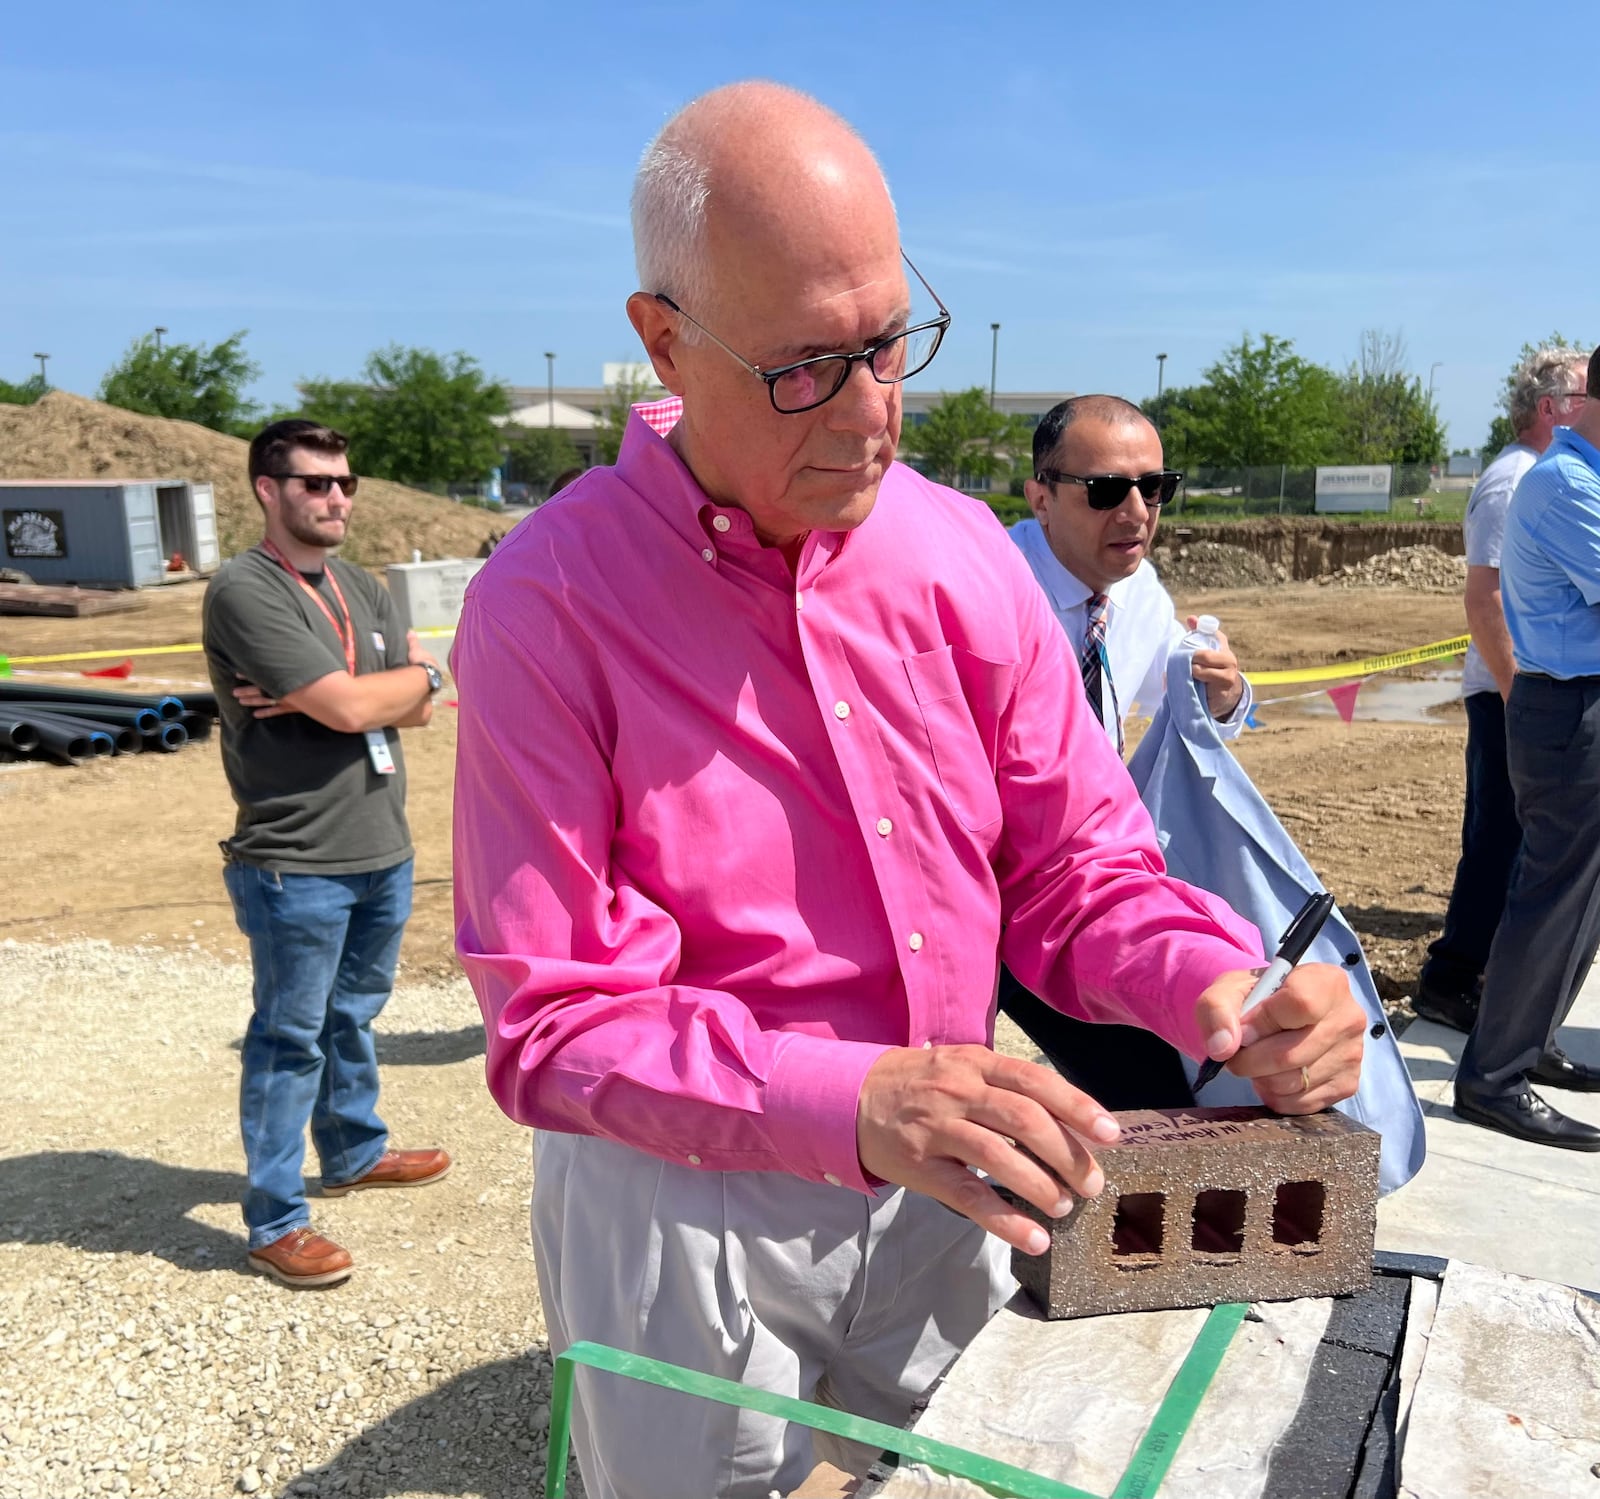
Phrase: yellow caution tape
(144,650)
(1373,664)
(1333,673)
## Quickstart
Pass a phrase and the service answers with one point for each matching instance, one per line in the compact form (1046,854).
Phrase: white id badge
(378,752)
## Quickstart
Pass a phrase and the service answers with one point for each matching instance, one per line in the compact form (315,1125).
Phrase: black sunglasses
(1107,491)
(322,483)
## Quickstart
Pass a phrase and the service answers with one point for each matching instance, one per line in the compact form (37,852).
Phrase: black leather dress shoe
(1456,1010)
(1557,1070)
(1526,1116)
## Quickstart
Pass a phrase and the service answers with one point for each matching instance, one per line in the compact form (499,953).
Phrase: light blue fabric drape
(1217,832)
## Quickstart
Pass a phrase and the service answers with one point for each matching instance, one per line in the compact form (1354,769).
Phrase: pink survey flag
(1344,699)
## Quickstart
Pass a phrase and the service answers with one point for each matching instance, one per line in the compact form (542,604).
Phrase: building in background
(579,410)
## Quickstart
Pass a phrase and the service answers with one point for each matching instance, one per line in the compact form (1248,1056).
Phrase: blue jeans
(324,949)
(1490,838)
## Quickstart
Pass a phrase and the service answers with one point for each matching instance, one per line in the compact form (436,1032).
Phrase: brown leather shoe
(302,1258)
(396,1168)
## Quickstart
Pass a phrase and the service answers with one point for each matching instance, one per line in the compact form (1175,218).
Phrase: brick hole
(1297,1213)
(1138,1225)
(1219,1222)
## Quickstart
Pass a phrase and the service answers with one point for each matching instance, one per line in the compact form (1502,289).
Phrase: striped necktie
(1095,667)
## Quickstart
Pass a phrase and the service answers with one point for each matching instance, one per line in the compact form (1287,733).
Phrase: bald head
(1110,411)
(764,222)
(743,168)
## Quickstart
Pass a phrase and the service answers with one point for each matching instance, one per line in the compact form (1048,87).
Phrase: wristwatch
(435,681)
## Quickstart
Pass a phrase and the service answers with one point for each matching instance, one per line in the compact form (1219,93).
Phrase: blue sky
(1106,183)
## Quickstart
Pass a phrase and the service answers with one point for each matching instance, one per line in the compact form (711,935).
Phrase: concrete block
(429,595)
(1203,1206)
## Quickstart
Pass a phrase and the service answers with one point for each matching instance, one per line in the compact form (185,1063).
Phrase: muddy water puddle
(1387,699)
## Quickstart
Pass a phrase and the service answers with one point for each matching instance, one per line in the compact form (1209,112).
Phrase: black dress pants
(1550,929)
(1490,838)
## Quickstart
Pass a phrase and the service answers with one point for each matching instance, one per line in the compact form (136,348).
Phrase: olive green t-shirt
(309,799)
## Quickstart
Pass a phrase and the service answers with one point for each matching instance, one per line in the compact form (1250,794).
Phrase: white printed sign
(1361,486)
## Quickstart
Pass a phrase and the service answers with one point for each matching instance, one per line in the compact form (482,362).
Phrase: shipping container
(108,533)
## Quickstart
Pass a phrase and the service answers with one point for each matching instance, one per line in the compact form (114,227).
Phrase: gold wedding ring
(1305,1079)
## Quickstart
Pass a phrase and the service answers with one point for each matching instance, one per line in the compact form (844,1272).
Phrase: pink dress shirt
(724,832)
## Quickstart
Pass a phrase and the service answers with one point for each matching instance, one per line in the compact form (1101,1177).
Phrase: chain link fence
(1278,489)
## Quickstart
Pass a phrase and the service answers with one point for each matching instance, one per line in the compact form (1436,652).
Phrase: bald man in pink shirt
(769,751)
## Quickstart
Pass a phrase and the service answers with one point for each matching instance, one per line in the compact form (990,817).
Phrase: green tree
(634,383)
(962,438)
(1385,415)
(414,416)
(187,382)
(1260,403)
(23,394)
(536,455)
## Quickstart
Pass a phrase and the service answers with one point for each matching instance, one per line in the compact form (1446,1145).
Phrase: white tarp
(1071,1400)
(1508,1398)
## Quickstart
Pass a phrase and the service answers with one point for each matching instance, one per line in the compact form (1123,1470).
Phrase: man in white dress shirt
(1096,495)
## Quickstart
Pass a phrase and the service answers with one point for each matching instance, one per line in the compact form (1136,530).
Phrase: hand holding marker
(1301,934)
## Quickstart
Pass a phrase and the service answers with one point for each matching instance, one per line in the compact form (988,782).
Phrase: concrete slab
(1492,1200)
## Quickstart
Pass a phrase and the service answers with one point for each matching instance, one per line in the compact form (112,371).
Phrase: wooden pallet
(62,603)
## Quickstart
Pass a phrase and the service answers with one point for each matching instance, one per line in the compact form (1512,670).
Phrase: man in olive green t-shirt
(314,675)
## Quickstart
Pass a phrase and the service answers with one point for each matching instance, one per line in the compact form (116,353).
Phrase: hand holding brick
(926,1115)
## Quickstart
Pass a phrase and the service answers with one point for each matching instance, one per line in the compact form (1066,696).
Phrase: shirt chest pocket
(959,696)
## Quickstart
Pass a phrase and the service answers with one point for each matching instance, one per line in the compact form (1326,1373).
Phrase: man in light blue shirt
(1548,389)
(1550,931)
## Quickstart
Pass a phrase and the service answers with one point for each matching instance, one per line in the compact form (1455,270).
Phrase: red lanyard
(347,635)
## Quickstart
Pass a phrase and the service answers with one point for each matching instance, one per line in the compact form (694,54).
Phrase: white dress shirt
(1142,628)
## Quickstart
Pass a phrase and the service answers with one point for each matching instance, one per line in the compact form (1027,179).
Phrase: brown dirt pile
(1419,569)
(67,437)
(1195,565)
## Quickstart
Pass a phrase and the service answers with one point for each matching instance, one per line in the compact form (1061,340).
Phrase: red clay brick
(1209,1205)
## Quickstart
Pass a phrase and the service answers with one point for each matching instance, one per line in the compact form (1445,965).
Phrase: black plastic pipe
(119,738)
(15,692)
(173,737)
(197,726)
(142,720)
(66,741)
(200,703)
(18,733)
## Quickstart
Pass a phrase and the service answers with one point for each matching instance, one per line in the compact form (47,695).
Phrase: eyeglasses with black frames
(322,483)
(809,383)
(1107,491)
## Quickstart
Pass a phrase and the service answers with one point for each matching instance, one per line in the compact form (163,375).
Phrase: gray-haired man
(1547,390)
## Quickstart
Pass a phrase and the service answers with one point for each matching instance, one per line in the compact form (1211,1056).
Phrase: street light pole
(1431,368)
(44,379)
(159,332)
(1161,377)
(550,389)
(994,359)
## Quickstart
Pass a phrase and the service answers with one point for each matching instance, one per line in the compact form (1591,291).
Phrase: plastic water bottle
(1204,635)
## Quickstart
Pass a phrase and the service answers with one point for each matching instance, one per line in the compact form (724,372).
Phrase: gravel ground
(137,1353)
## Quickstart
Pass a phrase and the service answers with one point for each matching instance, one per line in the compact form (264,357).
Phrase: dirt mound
(1207,564)
(66,437)
(1421,569)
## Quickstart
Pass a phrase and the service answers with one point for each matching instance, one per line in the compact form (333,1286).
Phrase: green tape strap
(994,1477)
(5,666)
(1142,1478)
(1159,1445)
